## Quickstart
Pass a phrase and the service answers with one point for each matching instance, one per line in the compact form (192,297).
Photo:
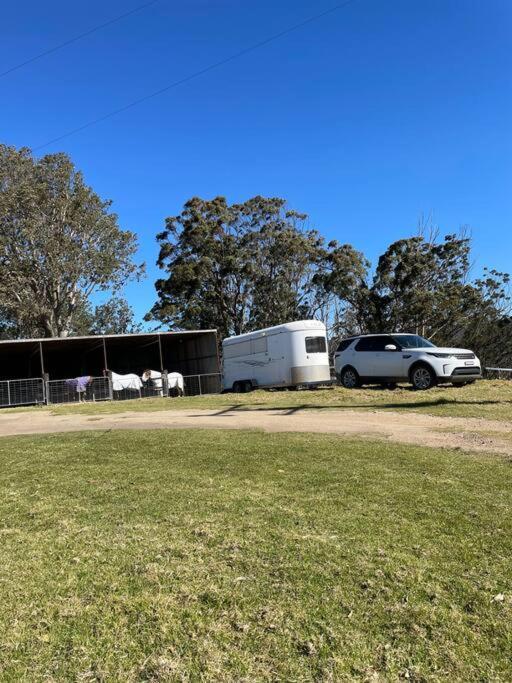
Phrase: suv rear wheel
(423,377)
(349,378)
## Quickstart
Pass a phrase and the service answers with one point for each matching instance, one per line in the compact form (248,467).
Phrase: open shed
(189,353)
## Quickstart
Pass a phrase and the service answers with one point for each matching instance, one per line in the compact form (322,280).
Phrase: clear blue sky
(364,119)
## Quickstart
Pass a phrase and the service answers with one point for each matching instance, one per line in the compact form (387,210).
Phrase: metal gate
(21,392)
(197,385)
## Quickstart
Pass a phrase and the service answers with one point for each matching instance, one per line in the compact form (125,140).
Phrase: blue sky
(364,119)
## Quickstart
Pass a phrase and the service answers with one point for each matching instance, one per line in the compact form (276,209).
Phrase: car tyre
(349,378)
(423,377)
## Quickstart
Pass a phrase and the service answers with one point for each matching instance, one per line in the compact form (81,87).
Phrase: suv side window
(382,342)
(343,345)
(377,343)
(365,344)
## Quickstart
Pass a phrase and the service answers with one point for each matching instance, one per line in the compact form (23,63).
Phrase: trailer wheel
(242,386)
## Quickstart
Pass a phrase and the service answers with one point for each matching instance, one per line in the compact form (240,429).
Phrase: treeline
(244,266)
(233,267)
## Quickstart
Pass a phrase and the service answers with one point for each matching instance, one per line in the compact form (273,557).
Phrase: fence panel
(4,394)
(33,391)
(191,385)
(21,392)
(72,391)
(197,385)
(151,389)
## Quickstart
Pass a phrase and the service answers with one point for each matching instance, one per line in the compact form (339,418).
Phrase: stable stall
(49,370)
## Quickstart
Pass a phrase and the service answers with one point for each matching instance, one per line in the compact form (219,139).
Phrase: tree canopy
(245,266)
(239,267)
(59,243)
(233,267)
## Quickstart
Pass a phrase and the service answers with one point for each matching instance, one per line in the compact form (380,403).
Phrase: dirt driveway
(411,428)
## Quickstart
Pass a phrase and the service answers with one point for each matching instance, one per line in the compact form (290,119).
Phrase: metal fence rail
(147,390)
(71,391)
(499,373)
(18,392)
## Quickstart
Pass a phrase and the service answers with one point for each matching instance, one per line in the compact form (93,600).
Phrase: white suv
(391,358)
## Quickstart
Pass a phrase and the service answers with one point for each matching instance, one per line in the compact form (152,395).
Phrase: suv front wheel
(423,377)
(349,378)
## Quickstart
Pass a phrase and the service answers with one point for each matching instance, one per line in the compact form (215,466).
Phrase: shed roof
(107,336)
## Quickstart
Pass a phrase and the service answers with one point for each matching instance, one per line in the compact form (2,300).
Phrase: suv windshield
(412,341)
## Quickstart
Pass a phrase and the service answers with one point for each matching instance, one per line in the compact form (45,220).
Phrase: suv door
(364,356)
(387,364)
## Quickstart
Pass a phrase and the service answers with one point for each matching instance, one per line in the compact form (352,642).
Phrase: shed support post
(160,351)
(105,361)
(110,386)
(41,358)
(46,388)
(165,383)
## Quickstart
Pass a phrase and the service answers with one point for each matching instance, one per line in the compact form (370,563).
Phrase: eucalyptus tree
(59,242)
(237,267)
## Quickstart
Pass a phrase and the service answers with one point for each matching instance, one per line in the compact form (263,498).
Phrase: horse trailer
(291,355)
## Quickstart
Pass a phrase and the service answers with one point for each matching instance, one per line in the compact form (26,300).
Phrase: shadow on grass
(290,410)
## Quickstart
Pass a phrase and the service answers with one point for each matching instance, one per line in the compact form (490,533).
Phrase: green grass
(242,556)
(490,399)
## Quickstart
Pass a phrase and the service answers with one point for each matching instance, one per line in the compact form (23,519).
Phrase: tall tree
(59,242)
(420,284)
(238,267)
(204,253)
(342,278)
(285,256)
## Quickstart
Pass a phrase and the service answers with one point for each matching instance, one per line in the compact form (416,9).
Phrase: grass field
(490,399)
(222,556)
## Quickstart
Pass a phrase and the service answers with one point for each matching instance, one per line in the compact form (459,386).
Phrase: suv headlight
(440,355)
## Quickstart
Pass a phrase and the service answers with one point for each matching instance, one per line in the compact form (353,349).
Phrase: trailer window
(259,345)
(240,349)
(316,345)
